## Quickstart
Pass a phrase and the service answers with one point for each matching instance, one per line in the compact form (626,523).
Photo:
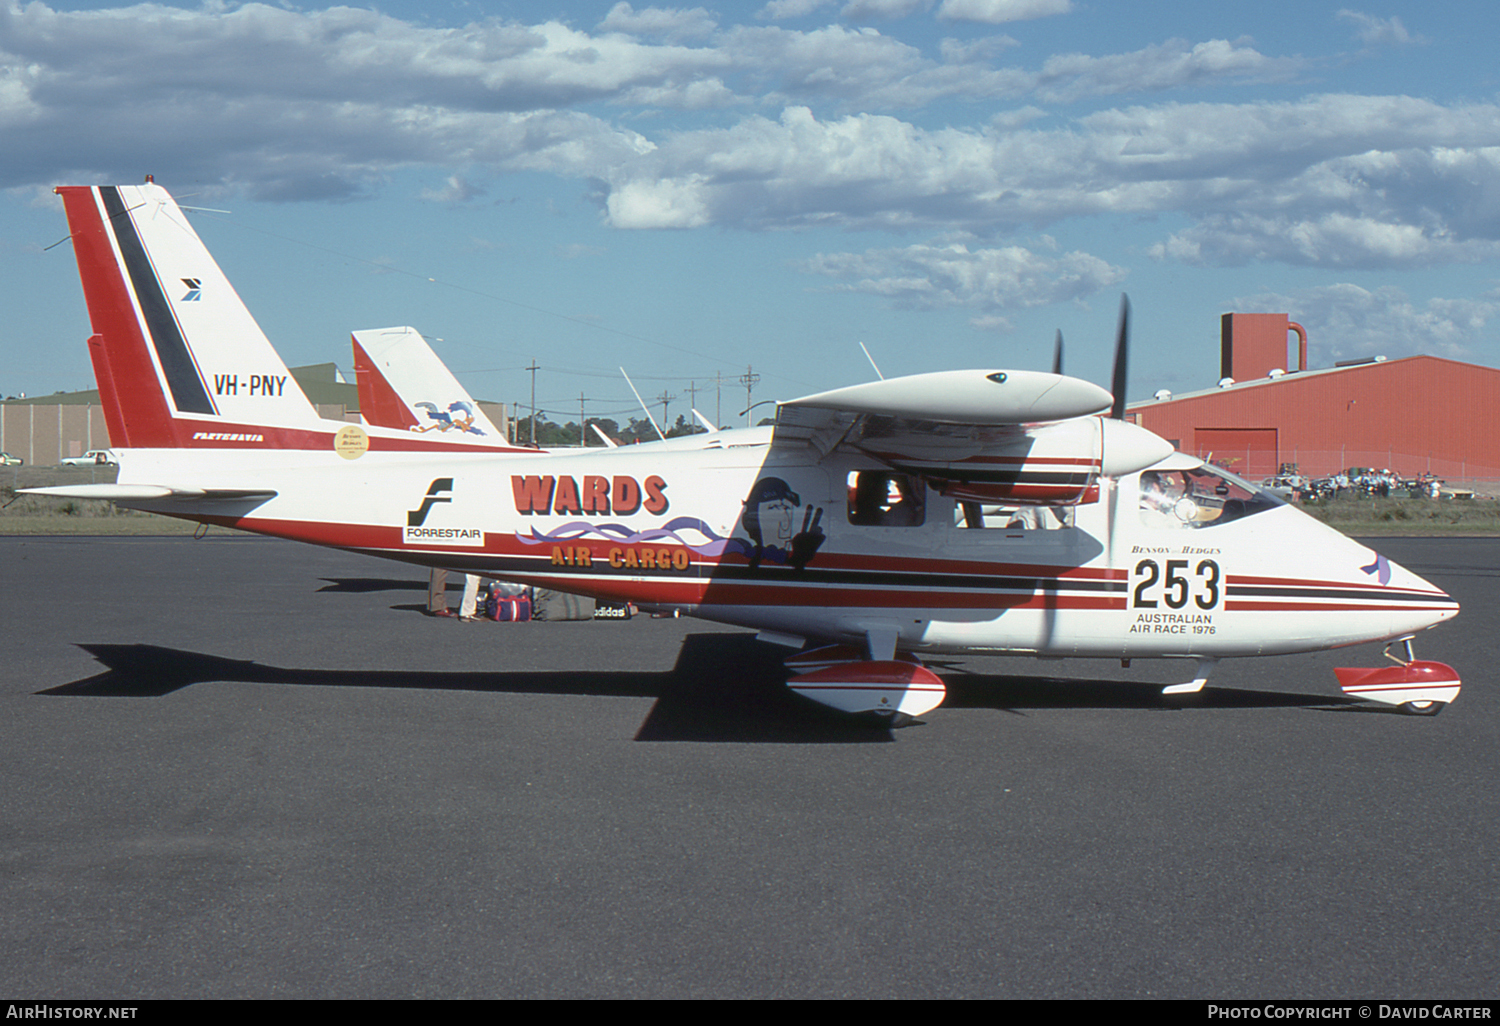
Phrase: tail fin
(404,385)
(179,360)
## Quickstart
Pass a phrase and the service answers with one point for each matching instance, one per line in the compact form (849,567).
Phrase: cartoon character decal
(770,512)
(459,416)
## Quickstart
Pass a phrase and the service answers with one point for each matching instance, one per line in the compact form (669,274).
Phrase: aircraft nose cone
(1418,598)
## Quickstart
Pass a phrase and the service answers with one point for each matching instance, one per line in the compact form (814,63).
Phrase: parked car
(7,460)
(94,457)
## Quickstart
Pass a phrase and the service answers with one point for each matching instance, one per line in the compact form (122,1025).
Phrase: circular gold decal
(351,442)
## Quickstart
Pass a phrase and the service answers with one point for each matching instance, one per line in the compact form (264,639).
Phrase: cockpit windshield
(1196,497)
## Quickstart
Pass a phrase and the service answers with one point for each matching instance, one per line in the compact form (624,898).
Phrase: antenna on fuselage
(872,362)
(1057,354)
(646,409)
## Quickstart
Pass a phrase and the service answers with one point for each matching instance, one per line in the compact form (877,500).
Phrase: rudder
(177,356)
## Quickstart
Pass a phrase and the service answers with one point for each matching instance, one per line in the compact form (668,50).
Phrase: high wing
(1014,436)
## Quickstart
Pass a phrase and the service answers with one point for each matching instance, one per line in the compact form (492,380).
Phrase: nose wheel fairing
(1418,687)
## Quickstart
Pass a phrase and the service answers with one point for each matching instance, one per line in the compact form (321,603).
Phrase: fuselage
(732,528)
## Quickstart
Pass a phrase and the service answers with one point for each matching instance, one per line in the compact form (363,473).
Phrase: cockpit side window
(881,499)
(1199,497)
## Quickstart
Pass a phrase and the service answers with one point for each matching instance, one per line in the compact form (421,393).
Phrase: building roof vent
(1226,382)
(1161,395)
(1276,372)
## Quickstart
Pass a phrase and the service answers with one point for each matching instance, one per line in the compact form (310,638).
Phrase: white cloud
(1341,181)
(934,276)
(456,189)
(324,104)
(1173,64)
(871,10)
(778,10)
(671,24)
(1372,30)
(996,12)
(1347,321)
(675,203)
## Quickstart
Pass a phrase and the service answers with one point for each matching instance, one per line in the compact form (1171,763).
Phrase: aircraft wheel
(1427,708)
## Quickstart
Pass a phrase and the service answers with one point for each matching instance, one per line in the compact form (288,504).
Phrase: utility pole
(664,399)
(583,424)
(748,379)
(533,368)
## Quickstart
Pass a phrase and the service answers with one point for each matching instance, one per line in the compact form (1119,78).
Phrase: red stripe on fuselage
(261,436)
(1244,606)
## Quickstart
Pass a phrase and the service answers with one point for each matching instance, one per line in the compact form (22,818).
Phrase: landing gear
(1415,687)
(1206,666)
(1427,707)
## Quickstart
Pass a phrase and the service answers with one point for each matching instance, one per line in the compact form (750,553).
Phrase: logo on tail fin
(195,290)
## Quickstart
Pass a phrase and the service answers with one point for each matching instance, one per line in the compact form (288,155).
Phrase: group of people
(1376,484)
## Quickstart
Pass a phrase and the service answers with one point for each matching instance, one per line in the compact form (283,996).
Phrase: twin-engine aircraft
(872,526)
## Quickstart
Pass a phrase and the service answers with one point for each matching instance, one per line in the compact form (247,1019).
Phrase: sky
(702,193)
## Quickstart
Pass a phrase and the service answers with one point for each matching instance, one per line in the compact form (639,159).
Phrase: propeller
(1118,382)
(1122,353)
(1057,354)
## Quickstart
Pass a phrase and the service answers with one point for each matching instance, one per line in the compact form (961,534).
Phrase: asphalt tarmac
(237,767)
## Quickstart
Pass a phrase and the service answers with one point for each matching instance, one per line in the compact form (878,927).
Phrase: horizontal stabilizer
(137,492)
(404,385)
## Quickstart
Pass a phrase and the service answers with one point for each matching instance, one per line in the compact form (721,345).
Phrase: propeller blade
(1122,358)
(1057,353)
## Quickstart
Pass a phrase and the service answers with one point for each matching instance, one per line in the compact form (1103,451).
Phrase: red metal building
(1414,415)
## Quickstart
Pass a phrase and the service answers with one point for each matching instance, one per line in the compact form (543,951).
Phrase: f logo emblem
(417,517)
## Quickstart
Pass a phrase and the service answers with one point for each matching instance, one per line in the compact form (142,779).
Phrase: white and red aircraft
(944,513)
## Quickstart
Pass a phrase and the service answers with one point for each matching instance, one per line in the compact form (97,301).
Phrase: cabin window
(882,499)
(1199,497)
(968,514)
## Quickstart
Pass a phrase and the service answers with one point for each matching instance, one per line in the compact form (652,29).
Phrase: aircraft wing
(998,436)
(968,397)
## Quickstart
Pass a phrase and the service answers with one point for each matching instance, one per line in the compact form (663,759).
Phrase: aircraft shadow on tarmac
(724,687)
(361,585)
